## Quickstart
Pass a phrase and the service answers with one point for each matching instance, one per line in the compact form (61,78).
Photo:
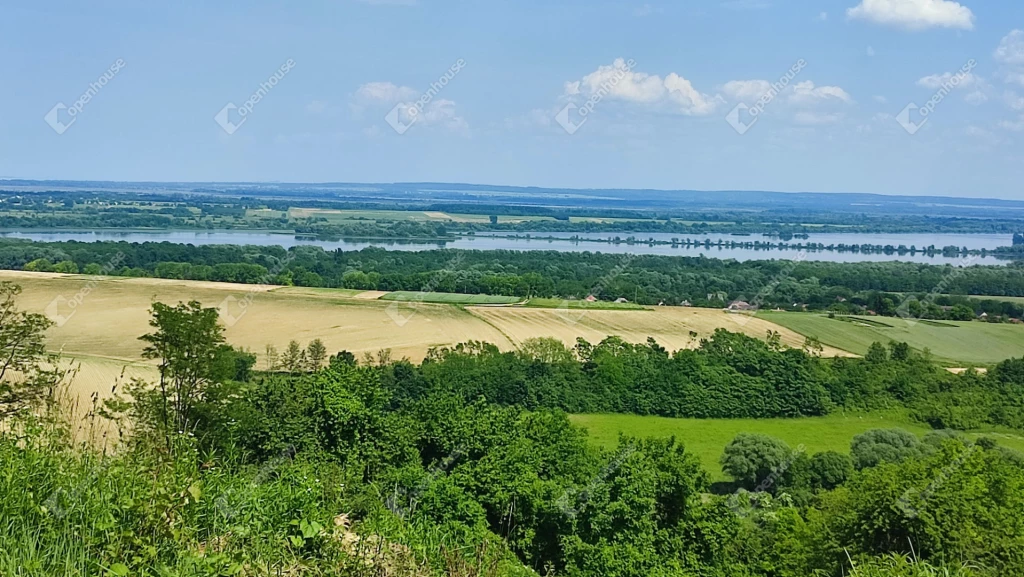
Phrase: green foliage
(906,566)
(188,344)
(828,470)
(465,466)
(28,374)
(751,459)
(508,276)
(879,446)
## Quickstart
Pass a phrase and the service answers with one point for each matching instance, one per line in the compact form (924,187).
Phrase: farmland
(115,311)
(707,437)
(947,340)
(448,298)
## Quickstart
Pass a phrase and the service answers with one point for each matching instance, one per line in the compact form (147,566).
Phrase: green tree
(343,358)
(294,358)
(877,446)
(66,266)
(316,354)
(27,373)
(186,343)
(828,470)
(751,458)
(39,265)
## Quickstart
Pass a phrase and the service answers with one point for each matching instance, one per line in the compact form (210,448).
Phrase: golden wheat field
(99,321)
(108,315)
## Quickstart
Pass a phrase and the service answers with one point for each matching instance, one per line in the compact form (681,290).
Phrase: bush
(828,470)
(753,460)
(878,446)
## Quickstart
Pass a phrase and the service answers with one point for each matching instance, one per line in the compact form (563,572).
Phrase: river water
(587,243)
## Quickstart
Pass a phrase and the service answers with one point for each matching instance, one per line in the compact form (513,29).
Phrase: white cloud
(387,92)
(823,16)
(914,14)
(1014,100)
(880,99)
(870,51)
(617,81)
(746,90)
(973,130)
(1011,49)
(1013,125)
(936,81)
(437,112)
(1014,77)
(441,112)
(806,93)
(802,93)
(976,97)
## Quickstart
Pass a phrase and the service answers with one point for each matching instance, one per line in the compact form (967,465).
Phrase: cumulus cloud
(936,81)
(1011,49)
(618,81)
(807,93)
(436,112)
(914,14)
(746,90)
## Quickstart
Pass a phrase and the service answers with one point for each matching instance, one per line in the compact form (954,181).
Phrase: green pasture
(706,438)
(950,342)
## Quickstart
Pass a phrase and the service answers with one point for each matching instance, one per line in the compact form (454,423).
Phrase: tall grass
(70,509)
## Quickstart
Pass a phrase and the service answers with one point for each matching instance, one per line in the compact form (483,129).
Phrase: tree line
(922,290)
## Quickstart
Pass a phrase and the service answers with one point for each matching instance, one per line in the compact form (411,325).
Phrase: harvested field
(100,321)
(114,312)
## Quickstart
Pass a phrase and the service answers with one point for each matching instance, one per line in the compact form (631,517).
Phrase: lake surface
(489,242)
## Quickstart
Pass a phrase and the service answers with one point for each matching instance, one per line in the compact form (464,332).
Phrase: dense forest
(465,465)
(889,288)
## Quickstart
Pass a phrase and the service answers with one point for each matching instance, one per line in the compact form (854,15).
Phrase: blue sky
(671,85)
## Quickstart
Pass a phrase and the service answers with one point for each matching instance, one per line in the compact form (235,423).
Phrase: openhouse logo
(61,116)
(743,116)
(223,118)
(405,114)
(912,122)
(61,308)
(573,116)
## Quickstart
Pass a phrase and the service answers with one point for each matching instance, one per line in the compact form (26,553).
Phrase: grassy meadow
(950,342)
(706,438)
